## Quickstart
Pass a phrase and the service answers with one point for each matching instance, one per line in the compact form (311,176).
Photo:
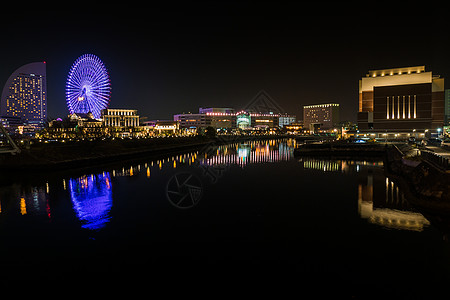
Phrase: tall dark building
(25,94)
(401,101)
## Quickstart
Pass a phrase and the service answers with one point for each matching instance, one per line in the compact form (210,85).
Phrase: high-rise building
(401,100)
(323,116)
(25,94)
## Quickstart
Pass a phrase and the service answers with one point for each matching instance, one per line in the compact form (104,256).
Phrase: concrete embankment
(344,150)
(426,186)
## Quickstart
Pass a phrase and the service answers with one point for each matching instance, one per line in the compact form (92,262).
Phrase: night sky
(173,58)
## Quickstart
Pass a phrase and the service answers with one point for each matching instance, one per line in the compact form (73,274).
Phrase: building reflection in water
(342,166)
(240,154)
(251,152)
(92,199)
(30,201)
(380,200)
(384,204)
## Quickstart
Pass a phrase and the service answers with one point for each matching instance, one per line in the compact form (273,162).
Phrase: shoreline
(341,150)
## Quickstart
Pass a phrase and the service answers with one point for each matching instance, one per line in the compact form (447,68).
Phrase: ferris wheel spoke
(88,77)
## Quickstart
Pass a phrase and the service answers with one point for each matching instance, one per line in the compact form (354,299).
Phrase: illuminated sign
(243,121)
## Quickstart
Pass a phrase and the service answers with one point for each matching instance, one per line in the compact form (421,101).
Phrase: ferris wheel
(88,88)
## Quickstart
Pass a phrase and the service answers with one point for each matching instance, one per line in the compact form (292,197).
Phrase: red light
(45,62)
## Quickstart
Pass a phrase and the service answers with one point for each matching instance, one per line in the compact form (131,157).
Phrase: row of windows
(119,113)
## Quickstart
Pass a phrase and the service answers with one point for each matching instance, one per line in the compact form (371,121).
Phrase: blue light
(92,199)
(88,78)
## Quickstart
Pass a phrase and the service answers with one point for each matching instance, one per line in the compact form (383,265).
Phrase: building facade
(167,126)
(401,100)
(227,118)
(447,107)
(264,121)
(192,120)
(320,116)
(114,117)
(25,94)
(286,119)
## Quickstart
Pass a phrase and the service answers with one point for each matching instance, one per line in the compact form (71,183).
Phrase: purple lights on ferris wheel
(88,87)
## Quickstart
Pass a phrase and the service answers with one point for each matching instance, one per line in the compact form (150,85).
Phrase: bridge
(13,149)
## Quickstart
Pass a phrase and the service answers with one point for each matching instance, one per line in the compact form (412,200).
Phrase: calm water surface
(244,209)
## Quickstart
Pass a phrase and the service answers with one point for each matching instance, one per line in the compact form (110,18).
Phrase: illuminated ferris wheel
(88,88)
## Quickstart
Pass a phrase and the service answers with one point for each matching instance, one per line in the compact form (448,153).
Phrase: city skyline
(175,59)
(218,140)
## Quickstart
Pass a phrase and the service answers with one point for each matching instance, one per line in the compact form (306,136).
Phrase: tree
(210,132)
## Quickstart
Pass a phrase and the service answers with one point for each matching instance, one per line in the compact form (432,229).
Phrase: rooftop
(396,71)
(320,105)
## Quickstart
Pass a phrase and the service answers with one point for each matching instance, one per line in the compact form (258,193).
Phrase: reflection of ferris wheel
(88,87)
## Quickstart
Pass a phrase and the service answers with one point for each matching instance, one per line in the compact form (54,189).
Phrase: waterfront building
(226,118)
(294,128)
(243,120)
(81,119)
(210,116)
(286,119)
(167,126)
(24,95)
(264,121)
(114,117)
(191,120)
(11,124)
(320,116)
(401,102)
(447,107)
(224,110)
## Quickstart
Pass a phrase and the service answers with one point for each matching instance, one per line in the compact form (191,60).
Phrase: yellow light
(23,206)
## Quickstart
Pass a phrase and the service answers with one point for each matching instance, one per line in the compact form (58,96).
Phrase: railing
(14,149)
(436,159)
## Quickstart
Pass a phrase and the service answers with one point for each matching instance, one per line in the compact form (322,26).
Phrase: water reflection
(251,152)
(31,201)
(342,166)
(380,202)
(385,205)
(92,199)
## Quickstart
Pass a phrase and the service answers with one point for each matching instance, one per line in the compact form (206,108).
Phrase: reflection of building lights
(92,200)
(396,216)
(23,206)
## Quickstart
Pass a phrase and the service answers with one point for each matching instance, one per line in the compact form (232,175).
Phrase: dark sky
(173,58)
